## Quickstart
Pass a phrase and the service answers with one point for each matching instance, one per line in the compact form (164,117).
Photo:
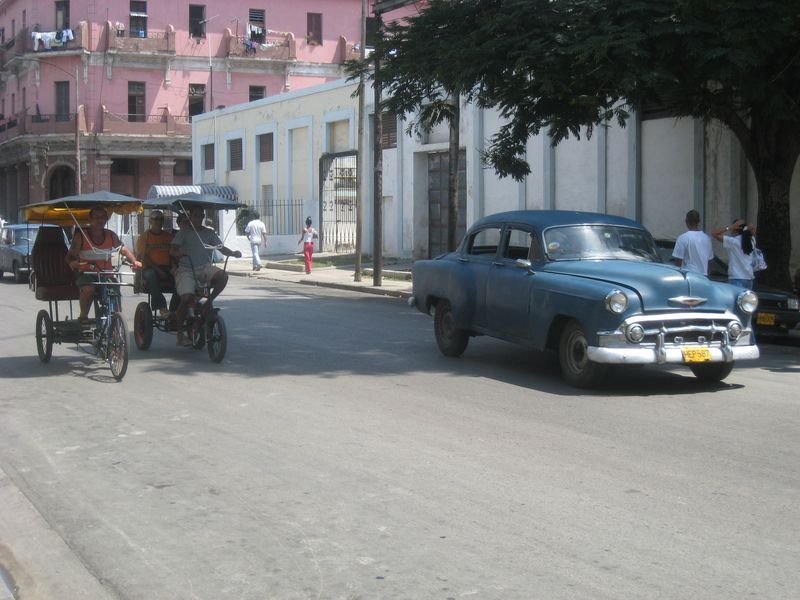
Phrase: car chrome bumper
(673,355)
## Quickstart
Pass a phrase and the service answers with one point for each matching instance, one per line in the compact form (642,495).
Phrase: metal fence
(282,217)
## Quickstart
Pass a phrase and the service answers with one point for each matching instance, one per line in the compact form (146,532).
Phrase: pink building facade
(99,96)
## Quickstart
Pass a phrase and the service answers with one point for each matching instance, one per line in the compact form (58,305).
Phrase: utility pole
(361,157)
(377,243)
(77,136)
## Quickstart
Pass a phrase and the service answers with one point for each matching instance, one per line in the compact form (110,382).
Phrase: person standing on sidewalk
(256,233)
(738,240)
(693,249)
(308,236)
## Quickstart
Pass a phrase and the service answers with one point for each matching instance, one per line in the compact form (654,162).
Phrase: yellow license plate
(694,355)
(765,319)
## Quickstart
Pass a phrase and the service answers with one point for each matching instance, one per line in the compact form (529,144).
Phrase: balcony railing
(28,40)
(162,123)
(275,47)
(37,124)
(149,41)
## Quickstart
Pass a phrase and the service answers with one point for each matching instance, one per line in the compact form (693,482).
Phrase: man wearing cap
(153,248)
(193,247)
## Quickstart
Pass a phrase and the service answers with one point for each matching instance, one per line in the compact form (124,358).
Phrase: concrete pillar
(167,171)
(103,170)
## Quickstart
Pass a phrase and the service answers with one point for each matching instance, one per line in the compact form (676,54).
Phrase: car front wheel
(451,340)
(573,358)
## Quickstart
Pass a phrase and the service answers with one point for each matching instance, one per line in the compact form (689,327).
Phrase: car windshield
(26,237)
(578,242)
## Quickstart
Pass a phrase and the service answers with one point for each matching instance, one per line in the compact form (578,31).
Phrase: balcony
(151,42)
(38,125)
(275,47)
(162,123)
(44,42)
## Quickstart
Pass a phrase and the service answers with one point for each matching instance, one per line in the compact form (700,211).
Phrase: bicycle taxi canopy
(188,200)
(74,210)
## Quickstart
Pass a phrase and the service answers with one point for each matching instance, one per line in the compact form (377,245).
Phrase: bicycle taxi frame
(204,323)
(53,282)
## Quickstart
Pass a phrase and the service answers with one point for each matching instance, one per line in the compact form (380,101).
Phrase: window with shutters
(235,162)
(138,19)
(314,26)
(257,92)
(208,157)
(266,148)
(389,130)
(257,25)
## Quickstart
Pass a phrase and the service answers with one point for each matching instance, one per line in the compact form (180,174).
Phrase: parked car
(589,286)
(778,311)
(16,243)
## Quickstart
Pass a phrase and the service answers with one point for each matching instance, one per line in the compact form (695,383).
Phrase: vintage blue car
(589,286)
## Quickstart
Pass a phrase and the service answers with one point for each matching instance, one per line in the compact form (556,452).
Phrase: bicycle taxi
(52,280)
(203,322)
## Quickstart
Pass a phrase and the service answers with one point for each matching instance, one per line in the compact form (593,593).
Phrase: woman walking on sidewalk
(308,236)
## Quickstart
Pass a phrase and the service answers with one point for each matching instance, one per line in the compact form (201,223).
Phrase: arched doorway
(61,183)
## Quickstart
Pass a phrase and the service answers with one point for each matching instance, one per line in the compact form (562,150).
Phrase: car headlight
(748,302)
(793,304)
(616,301)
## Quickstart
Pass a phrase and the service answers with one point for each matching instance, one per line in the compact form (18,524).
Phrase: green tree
(567,66)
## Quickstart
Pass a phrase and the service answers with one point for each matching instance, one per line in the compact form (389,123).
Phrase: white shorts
(187,281)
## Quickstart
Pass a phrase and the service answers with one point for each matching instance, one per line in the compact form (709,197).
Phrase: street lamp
(38,62)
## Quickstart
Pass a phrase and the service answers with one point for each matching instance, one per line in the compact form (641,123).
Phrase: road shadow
(299,332)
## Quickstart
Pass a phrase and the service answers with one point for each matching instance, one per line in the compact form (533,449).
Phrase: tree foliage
(567,66)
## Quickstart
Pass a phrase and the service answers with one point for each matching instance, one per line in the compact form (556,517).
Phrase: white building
(653,170)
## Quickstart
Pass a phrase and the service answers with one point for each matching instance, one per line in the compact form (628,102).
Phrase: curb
(378,291)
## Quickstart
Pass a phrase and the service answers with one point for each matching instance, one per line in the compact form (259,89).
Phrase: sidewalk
(396,280)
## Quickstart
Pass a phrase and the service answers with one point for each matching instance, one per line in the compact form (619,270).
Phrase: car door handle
(498,263)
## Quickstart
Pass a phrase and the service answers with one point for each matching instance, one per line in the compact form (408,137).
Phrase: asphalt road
(335,454)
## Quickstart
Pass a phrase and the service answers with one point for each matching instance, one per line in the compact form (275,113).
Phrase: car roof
(542,219)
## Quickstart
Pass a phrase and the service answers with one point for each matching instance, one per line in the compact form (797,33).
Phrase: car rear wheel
(712,372)
(573,358)
(451,340)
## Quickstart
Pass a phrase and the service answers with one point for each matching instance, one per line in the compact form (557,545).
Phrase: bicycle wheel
(143,326)
(117,356)
(217,338)
(44,335)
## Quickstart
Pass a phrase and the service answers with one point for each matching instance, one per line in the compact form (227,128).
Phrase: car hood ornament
(690,301)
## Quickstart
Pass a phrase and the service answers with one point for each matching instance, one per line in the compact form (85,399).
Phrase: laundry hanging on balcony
(47,40)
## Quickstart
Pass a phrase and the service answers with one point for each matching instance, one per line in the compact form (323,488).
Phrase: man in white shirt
(256,233)
(693,249)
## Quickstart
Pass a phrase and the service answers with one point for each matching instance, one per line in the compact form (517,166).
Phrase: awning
(163,191)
